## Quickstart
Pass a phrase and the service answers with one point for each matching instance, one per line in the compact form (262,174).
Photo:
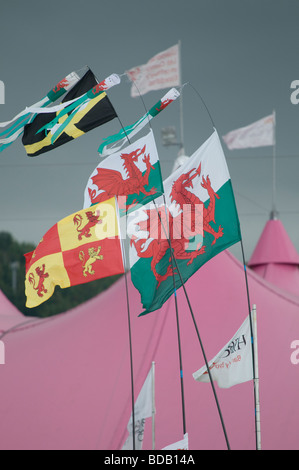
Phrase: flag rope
(203,102)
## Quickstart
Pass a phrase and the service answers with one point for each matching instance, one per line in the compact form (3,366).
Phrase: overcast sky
(240,55)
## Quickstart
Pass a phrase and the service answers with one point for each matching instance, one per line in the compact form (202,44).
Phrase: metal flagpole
(274,209)
(130,332)
(168,235)
(254,359)
(256,382)
(174,263)
(153,408)
(181,98)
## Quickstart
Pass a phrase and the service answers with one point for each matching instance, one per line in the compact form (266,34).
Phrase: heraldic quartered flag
(201,220)
(83,247)
(133,175)
(85,107)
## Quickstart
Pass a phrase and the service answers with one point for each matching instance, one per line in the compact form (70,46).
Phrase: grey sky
(240,55)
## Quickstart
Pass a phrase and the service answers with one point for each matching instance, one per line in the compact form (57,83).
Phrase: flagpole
(254,359)
(197,332)
(274,210)
(205,357)
(177,317)
(153,408)
(130,331)
(181,97)
(256,381)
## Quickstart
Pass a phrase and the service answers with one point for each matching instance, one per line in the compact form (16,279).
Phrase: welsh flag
(132,174)
(200,216)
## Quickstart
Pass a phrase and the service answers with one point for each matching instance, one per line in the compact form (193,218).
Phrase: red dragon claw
(218,234)
(146,160)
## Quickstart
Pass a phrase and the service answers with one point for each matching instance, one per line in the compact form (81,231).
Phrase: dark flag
(86,106)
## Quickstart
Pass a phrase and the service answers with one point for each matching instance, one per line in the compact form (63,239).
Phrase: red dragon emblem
(62,84)
(157,248)
(93,220)
(39,285)
(112,183)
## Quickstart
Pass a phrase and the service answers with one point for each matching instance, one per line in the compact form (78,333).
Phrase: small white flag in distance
(180,445)
(257,134)
(233,364)
(161,71)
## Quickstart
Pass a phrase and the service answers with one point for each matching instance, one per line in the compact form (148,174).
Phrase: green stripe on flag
(142,274)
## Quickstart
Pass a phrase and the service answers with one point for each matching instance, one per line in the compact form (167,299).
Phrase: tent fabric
(66,382)
(7,308)
(274,246)
(275,258)
(9,314)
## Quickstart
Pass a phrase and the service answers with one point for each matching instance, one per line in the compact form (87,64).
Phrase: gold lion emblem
(94,255)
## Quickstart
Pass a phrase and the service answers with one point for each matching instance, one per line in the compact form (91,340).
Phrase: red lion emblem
(39,286)
(93,220)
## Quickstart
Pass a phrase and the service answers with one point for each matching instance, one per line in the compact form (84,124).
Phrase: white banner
(233,364)
(180,445)
(143,410)
(257,134)
(161,71)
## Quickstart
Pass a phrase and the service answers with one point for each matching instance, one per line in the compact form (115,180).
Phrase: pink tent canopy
(275,257)
(9,314)
(66,382)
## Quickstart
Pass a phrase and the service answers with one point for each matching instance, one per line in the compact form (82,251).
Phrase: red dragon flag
(201,219)
(83,247)
(133,175)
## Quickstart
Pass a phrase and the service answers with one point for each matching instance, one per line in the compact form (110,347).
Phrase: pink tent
(66,382)
(275,257)
(9,314)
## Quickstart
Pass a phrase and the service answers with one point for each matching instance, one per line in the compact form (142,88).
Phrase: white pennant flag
(233,364)
(161,71)
(180,445)
(257,134)
(144,408)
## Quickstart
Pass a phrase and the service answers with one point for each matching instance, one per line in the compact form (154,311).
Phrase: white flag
(161,71)
(180,445)
(257,134)
(143,409)
(233,364)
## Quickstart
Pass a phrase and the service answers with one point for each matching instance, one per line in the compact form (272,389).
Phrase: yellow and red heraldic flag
(83,247)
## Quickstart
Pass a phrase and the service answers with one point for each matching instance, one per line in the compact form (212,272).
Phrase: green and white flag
(201,219)
(133,175)
(115,142)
